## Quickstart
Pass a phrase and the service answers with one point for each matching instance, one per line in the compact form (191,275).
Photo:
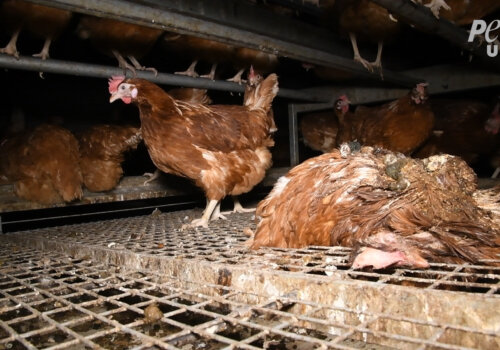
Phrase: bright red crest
(113,83)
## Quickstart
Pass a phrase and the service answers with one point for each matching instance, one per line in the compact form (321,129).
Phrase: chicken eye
(122,87)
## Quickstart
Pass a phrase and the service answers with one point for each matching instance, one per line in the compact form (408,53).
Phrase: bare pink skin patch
(380,259)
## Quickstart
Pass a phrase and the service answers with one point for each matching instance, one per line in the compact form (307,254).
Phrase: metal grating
(223,243)
(87,286)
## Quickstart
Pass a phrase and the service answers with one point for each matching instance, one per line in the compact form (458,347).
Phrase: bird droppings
(159,288)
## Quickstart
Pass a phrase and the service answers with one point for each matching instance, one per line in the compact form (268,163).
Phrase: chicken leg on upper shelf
(120,39)
(364,20)
(40,21)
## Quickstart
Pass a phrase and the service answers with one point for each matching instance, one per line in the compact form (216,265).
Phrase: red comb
(114,81)
(343,98)
(251,72)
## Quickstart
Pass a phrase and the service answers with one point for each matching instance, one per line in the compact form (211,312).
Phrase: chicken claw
(138,66)
(238,208)
(44,54)
(237,77)
(11,48)
(435,6)
(151,176)
(190,72)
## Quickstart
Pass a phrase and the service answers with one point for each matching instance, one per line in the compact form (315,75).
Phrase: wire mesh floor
(143,283)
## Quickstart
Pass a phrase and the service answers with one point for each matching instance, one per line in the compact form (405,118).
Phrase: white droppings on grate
(50,300)
(160,235)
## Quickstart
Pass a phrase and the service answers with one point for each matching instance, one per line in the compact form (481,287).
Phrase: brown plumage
(253,94)
(319,130)
(41,21)
(116,38)
(393,210)
(191,95)
(367,21)
(400,126)
(464,128)
(222,148)
(102,149)
(43,165)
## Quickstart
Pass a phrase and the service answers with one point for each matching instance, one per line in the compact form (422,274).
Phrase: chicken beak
(114,96)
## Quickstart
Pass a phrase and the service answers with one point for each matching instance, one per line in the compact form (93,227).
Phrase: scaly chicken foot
(151,176)
(207,214)
(238,208)
(190,72)
(11,48)
(138,66)
(210,75)
(44,54)
(237,77)
(436,5)
(216,215)
(123,64)
(370,66)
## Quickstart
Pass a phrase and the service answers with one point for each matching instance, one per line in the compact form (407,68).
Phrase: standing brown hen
(41,21)
(391,209)
(118,39)
(222,148)
(43,165)
(102,149)
(400,126)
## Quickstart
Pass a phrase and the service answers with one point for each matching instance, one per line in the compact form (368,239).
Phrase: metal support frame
(99,71)
(234,22)
(293,129)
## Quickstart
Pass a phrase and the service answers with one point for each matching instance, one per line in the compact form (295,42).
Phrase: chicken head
(119,90)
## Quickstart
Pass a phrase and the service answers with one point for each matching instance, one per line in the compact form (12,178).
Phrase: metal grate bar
(91,284)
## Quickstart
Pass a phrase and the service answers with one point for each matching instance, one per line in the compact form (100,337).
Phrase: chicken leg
(210,75)
(138,66)
(151,176)
(435,6)
(207,214)
(237,77)
(190,72)
(123,64)
(44,54)
(11,48)
(370,66)
(238,208)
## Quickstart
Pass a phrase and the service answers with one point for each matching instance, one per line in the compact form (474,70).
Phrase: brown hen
(391,209)
(43,165)
(464,128)
(400,126)
(222,148)
(102,149)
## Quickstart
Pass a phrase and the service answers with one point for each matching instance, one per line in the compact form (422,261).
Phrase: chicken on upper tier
(365,20)
(118,39)
(43,165)
(41,21)
(393,210)
(399,126)
(222,148)
(102,149)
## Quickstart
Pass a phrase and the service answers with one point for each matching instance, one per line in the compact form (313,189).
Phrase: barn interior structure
(103,243)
